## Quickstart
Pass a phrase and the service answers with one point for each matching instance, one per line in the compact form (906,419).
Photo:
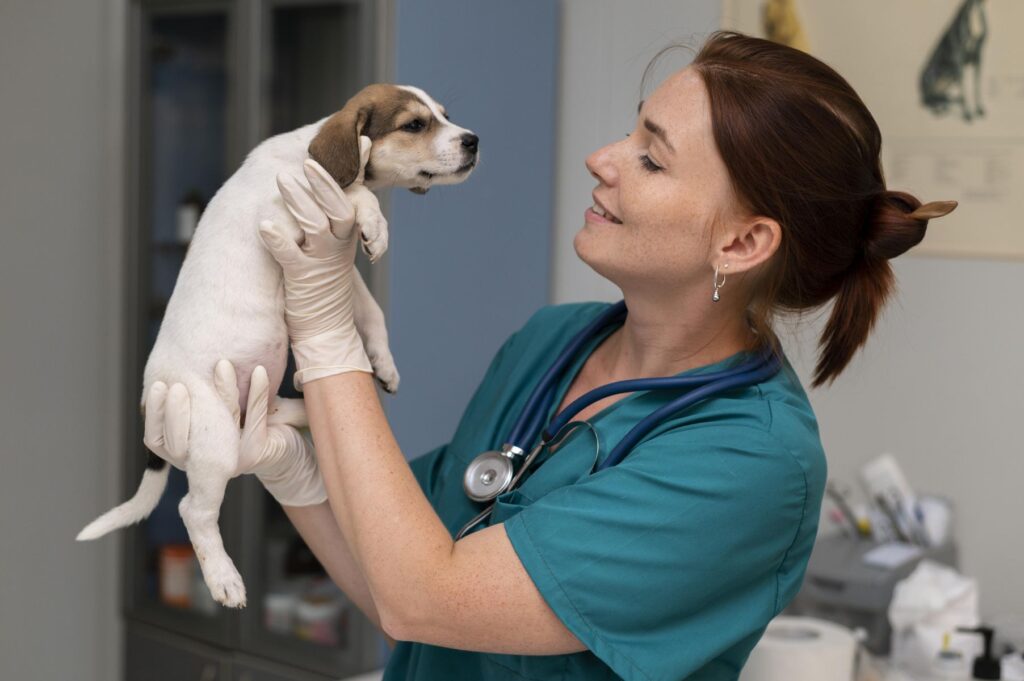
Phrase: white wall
(938,383)
(59,337)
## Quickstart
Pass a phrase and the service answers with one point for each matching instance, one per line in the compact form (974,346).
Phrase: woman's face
(665,188)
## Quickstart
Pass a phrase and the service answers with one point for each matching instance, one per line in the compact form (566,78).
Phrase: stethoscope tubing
(767,365)
(530,422)
(527,425)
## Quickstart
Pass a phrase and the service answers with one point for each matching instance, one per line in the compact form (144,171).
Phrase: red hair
(802,148)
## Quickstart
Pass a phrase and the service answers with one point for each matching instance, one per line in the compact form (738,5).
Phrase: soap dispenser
(985,666)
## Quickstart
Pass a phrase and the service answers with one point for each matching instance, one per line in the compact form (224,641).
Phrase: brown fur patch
(375,111)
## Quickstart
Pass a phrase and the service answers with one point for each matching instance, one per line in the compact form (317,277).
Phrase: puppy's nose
(469,141)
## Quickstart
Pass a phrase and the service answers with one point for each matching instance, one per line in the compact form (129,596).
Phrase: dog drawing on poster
(943,77)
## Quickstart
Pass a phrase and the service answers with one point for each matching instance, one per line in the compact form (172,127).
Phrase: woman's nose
(602,166)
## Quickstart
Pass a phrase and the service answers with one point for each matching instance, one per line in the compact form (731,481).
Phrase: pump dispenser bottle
(985,666)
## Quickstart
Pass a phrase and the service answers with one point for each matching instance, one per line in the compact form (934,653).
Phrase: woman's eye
(413,126)
(645,161)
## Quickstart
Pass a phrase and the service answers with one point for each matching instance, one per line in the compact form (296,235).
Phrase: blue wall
(470,263)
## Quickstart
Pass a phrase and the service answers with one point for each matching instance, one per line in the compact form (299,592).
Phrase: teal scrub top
(668,565)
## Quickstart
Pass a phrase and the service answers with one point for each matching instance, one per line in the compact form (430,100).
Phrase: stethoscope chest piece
(488,475)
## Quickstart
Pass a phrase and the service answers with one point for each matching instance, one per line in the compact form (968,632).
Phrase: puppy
(228,301)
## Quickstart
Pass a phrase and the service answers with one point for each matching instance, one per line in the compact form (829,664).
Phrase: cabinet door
(257,671)
(314,56)
(182,77)
(156,656)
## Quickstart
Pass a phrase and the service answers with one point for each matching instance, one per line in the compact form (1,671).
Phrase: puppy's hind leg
(213,460)
(287,410)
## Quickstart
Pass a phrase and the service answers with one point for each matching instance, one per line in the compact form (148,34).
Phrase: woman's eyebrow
(656,129)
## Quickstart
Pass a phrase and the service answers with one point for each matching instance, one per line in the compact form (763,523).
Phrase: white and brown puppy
(228,301)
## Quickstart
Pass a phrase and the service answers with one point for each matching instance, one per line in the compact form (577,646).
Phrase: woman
(757,164)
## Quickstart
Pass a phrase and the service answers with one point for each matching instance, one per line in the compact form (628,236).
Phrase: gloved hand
(318,273)
(277,453)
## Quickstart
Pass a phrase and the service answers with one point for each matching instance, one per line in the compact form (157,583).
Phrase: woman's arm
(474,594)
(319,529)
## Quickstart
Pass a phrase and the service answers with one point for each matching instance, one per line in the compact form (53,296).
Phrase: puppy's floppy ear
(336,145)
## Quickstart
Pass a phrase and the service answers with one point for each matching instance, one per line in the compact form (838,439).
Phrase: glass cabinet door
(182,135)
(317,55)
(212,79)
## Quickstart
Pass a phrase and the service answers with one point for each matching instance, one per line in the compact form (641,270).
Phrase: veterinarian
(751,183)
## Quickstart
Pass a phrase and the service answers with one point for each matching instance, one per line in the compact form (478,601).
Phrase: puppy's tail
(154,480)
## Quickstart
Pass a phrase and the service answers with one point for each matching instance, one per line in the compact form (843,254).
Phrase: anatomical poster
(944,79)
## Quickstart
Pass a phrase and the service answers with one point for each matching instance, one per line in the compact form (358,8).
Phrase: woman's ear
(336,145)
(752,242)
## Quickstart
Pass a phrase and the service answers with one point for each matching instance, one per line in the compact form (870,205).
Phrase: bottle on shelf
(190,208)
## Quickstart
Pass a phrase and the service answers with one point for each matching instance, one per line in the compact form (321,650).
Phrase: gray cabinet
(208,80)
(154,654)
(151,655)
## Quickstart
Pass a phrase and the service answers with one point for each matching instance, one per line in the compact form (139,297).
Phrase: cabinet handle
(209,672)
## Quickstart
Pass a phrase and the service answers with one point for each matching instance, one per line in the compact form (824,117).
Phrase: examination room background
(938,384)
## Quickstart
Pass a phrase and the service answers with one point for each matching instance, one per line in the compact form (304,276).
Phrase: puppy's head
(414,144)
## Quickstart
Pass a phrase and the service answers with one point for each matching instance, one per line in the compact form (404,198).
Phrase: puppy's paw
(373,234)
(388,379)
(384,369)
(225,584)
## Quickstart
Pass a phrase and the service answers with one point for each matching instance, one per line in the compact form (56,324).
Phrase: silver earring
(714,298)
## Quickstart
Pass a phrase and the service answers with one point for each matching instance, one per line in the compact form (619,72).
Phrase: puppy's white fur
(228,302)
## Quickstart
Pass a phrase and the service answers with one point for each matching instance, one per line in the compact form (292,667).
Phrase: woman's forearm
(319,529)
(398,541)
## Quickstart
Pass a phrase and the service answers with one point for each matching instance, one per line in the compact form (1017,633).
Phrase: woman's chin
(596,257)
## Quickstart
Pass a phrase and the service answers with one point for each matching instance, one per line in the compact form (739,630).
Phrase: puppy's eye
(413,126)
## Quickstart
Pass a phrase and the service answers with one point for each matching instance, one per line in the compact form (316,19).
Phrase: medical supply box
(842,587)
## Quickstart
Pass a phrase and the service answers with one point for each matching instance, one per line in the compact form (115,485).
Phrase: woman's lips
(590,215)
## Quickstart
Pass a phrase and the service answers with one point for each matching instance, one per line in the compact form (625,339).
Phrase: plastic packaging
(1013,667)
(932,601)
(950,664)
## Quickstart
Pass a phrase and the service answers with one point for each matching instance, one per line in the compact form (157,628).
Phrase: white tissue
(932,600)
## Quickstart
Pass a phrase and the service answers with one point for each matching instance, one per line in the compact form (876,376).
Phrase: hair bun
(933,209)
(898,223)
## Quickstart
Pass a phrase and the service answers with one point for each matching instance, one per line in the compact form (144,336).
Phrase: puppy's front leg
(373,228)
(369,321)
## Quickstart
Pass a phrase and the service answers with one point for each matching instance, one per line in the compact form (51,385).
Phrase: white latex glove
(318,272)
(278,454)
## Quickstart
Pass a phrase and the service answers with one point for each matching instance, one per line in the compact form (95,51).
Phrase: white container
(318,621)
(279,612)
(188,220)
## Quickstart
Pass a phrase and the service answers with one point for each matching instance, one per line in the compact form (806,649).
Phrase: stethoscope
(493,472)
